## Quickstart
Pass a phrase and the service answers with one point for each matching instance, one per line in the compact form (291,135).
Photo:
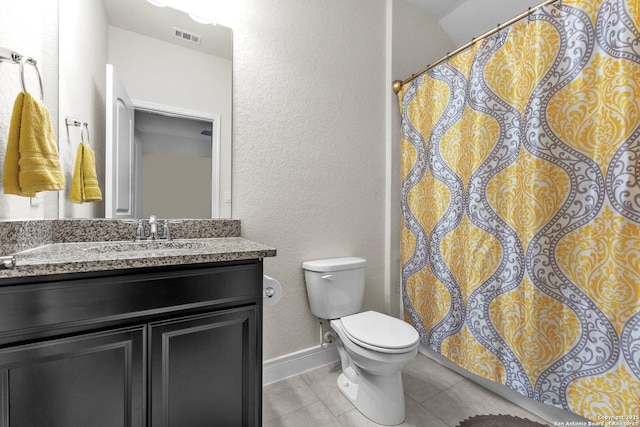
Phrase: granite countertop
(60,258)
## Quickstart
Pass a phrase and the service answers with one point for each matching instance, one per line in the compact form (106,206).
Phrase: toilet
(373,347)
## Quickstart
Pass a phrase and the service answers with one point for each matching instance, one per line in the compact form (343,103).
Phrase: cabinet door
(92,380)
(204,370)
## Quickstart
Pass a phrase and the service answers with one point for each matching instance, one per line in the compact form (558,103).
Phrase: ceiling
(141,17)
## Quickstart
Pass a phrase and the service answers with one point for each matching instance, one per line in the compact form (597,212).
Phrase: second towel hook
(85,127)
(70,121)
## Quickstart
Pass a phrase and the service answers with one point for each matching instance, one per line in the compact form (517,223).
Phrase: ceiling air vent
(186,36)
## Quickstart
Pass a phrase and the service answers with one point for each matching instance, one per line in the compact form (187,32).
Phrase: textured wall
(311,114)
(29,27)
(309,146)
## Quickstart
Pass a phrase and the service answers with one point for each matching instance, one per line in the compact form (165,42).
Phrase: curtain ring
(529,15)
(32,62)
(85,126)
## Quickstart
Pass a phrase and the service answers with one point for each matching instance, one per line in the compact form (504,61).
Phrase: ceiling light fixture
(157,3)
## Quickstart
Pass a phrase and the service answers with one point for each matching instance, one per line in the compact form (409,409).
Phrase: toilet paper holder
(271,290)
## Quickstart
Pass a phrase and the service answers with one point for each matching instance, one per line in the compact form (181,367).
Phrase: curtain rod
(397,84)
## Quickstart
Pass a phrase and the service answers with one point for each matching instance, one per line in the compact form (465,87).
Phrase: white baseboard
(549,413)
(296,363)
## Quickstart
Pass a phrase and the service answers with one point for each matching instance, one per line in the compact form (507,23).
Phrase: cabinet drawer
(33,309)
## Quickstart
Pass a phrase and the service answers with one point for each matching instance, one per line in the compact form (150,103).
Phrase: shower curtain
(521,207)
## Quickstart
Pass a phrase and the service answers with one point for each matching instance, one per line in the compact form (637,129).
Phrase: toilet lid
(379,330)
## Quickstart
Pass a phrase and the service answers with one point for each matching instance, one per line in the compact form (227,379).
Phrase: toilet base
(379,398)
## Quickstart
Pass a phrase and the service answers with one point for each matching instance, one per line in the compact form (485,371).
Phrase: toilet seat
(379,332)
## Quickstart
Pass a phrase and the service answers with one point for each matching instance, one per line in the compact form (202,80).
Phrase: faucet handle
(139,228)
(166,232)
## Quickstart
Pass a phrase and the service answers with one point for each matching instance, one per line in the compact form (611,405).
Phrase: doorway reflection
(174,165)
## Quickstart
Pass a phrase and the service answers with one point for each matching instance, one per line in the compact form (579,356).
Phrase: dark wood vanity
(177,345)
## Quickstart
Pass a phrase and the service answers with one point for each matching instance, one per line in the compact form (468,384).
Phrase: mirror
(165,60)
(168,64)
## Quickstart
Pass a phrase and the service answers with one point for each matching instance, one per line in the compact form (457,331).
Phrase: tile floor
(434,396)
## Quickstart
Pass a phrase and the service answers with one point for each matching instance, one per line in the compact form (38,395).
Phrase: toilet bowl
(373,347)
(371,377)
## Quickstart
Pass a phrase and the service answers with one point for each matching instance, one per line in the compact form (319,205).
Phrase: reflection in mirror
(176,160)
(156,68)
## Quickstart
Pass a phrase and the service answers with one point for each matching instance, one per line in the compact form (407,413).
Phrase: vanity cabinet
(162,347)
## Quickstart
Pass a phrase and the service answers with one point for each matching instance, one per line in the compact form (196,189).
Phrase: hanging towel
(11,169)
(32,154)
(84,185)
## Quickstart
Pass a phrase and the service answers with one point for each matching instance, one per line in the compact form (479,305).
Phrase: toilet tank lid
(335,264)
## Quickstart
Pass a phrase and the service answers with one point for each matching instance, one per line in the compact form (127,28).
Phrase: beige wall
(312,111)
(308,160)
(30,28)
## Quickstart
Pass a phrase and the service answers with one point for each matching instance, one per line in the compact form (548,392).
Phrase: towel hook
(85,126)
(33,62)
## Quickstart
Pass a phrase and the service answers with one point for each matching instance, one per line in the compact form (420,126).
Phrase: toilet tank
(335,286)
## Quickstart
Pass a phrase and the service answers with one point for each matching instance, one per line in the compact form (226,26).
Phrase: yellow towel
(31,164)
(84,184)
(11,170)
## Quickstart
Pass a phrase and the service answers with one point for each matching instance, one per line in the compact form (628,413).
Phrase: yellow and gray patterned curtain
(521,207)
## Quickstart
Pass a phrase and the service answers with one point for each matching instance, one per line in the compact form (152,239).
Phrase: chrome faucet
(154,233)
(153,228)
